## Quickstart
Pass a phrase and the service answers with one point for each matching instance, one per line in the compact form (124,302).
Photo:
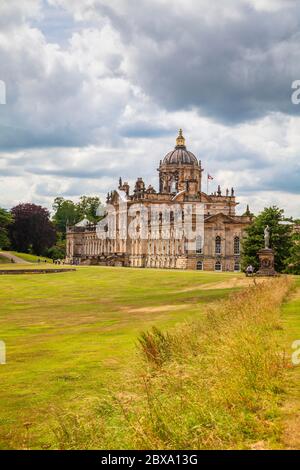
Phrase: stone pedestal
(266,262)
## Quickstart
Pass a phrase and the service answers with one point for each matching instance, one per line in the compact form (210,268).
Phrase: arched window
(218,266)
(218,245)
(236,245)
(237,266)
(198,244)
(199,265)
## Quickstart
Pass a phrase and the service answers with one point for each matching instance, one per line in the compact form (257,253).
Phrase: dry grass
(215,383)
(290,438)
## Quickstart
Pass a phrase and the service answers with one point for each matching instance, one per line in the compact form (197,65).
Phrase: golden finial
(180,141)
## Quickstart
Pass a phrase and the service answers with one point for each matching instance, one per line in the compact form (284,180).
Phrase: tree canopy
(67,212)
(88,206)
(31,229)
(5,221)
(293,261)
(280,238)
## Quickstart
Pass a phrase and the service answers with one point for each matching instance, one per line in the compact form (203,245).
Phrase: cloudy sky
(97,89)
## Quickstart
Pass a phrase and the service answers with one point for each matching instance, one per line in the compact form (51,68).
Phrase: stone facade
(180,184)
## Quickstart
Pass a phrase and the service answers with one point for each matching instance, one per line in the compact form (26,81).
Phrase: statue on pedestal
(266,257)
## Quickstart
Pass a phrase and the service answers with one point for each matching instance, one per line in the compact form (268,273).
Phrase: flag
(209,177)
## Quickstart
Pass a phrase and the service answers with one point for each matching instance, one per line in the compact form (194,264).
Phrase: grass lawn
(291,319)
(70,336)
(31,258)
(33,266)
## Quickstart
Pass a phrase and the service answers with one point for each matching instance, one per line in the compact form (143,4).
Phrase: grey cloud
(84,117)
(144,129)
(231,69)
(55,23)
(53,98)
(11,171)
(73,190)
(230,154)
(284,179)
(81,173)
(15,138)
(275,180)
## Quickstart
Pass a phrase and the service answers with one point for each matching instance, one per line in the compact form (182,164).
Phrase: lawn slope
(31,258)
(291,409)
(70,337)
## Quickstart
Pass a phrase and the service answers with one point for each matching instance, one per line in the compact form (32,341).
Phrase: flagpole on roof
(209,177)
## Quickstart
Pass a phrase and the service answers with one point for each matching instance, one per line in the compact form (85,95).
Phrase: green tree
(31,229)
(280,240)
(5,221)
(65,213)
(88,206)
(57,251)
(293,262)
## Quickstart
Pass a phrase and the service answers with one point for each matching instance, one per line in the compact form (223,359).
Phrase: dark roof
(180,155)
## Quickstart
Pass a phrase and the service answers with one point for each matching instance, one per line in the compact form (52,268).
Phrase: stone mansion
(180,182)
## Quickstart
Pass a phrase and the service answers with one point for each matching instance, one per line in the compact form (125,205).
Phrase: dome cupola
(180,155)
(180,171)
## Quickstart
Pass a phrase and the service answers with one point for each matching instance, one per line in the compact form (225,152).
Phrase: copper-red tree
(31,229)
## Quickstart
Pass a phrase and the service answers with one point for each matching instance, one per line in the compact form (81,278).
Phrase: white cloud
(84,111)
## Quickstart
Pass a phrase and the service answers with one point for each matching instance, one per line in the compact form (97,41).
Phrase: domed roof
(180,155)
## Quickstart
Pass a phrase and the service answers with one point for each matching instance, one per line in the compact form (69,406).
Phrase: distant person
(39,260)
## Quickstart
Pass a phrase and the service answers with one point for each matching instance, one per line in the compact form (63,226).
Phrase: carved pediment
(220,217)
